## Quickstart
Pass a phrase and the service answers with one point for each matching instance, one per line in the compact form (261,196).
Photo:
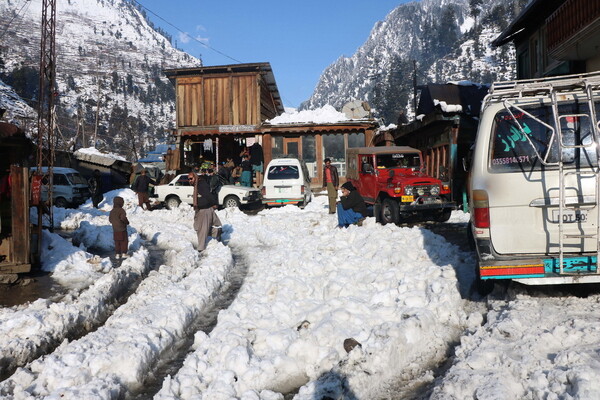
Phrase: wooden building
(219,109)
(445,131)
(222,110)
(17,253)
(313,143)
(555,37)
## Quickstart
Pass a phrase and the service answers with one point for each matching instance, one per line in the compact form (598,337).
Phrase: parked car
(533,187)
(286,181)
(69,188)
(392,179)
(179,190)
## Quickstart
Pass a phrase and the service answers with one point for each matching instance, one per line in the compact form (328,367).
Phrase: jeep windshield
(398,160)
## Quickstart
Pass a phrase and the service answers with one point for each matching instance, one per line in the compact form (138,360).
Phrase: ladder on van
(583,88)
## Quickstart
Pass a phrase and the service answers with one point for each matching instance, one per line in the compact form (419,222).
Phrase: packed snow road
(369,312)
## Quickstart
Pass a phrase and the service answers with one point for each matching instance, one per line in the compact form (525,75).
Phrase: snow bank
(310,287)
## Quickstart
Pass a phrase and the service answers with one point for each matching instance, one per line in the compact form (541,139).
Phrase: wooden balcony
(573,29)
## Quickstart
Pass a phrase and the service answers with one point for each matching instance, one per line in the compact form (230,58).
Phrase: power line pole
(46,110)
(415,88)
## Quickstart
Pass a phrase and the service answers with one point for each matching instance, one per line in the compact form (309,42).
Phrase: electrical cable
(185,33)
(5,30)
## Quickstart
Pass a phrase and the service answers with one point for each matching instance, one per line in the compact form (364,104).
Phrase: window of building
(277,147)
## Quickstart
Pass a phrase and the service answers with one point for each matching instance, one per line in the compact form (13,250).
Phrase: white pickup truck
(179,190)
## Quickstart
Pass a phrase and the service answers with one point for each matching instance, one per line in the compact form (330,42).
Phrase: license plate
(408,198)
(570,216)
(283,190)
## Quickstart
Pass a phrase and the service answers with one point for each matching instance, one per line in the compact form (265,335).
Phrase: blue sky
(299,38)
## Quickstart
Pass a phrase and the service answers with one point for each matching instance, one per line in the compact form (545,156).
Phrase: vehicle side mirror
(392,173)
(466,164)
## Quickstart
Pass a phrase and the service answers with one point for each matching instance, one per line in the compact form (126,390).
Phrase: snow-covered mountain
(109,63)
(445,39)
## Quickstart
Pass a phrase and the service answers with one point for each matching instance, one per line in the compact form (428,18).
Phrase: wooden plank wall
(213,100)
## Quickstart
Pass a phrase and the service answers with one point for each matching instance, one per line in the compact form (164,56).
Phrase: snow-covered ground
(359,313)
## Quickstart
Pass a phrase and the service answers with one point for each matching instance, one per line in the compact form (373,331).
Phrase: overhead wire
(185,33)
(5,30)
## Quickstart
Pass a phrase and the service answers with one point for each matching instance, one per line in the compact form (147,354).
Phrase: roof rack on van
(537,87)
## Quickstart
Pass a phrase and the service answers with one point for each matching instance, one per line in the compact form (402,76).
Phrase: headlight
(435,190)
(408,190)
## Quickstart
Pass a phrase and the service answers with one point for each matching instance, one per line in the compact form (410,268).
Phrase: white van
(534,189)
(69,187)
(286,181)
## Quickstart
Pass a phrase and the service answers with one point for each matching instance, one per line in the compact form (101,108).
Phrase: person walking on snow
(352,208)
(96,188)
(141,186)
(331,181)
(205,203)
(118,220)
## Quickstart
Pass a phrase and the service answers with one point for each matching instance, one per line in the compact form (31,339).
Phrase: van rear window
(283,172)
(524,137)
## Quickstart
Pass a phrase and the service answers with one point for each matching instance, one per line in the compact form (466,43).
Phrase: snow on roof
(95,152)
(324,115)
(447,107)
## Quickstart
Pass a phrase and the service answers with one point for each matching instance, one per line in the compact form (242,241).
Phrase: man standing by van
(95,183)
(331,181)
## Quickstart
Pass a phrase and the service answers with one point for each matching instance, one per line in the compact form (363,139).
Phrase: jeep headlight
(435,190)
(408,190)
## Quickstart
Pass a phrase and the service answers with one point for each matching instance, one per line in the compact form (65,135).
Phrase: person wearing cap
(331,181)
(246,171)
(351,208)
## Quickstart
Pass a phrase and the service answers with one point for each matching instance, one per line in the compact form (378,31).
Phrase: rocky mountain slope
(445,39)
(109,63)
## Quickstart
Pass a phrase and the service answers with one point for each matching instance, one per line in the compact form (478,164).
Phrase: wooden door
(292,147)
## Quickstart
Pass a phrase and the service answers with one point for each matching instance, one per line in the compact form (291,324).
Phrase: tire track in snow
(117,357)
(50,323)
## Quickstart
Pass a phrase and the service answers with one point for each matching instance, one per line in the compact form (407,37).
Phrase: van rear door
(523,179)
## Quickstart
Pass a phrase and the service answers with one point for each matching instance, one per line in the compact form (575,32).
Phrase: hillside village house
(555,37)
(222,110)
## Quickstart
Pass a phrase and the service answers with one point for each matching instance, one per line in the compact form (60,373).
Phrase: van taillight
(263,191)
(481,209)
(302,189)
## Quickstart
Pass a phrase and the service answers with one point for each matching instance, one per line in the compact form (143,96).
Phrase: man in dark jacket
(141,186)
(331,181)
(205,203)
(352,208)
(96,188)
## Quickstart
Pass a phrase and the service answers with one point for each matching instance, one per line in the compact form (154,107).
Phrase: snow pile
(324,115)
(528,350)
(310,287)
(119,355)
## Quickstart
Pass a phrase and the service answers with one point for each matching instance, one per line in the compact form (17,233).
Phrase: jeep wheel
(172,202)
(444,215)
(231,201)
(390,212)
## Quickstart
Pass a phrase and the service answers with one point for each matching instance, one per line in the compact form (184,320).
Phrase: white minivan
(286,181)
(69,187)
(534,189)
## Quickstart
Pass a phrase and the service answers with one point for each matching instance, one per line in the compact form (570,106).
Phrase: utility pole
(415,88)
(46,112)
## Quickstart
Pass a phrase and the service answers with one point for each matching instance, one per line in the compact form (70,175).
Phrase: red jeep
(391,179)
